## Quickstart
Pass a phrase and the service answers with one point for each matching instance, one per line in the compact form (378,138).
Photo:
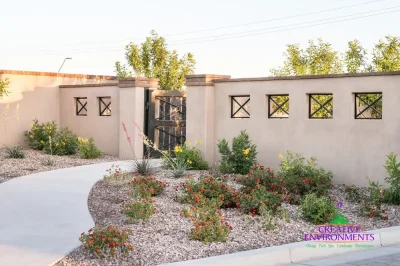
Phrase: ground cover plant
(117,176)
(211,188)
(106,242)
(137,210)
(146,187)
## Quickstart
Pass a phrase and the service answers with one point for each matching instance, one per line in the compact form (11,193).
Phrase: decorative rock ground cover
(35,161)
(165,237)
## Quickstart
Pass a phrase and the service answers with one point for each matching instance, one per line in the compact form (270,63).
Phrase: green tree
(152,59)
(318,59)
(355,58)
(3,87)
(386,55)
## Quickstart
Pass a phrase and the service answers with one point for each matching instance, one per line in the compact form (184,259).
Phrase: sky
(251,35)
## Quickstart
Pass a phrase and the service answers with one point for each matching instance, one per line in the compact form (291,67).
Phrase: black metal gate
(166,119)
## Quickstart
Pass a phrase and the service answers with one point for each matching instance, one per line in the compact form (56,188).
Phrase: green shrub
(319,210)
(259,198)
(87,148)
(240,158)
(188,154)
(138,210)
(207,220)
(116,176)
(270,220)
(211,188)
(65,142)
(392,166)
(372,205)
(302,177)
(146,187)
(38,135)
(106,242)
(16,152)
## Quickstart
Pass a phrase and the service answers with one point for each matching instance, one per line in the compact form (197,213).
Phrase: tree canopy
(320,58)
(152,59)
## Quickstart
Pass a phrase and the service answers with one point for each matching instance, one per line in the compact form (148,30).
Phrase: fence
(349,122)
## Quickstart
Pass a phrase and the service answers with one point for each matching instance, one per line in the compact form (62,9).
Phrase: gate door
(166,119)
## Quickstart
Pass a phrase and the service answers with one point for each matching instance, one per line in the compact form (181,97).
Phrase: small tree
(386,55)
(355,57)
(152,59)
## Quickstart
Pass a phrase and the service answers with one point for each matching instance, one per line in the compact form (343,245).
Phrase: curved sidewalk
(42,215)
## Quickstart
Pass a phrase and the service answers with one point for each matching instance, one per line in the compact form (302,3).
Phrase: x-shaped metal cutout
(322,106)
(82,106)
(369,106)
(279,106)
(241,107)
(107,107)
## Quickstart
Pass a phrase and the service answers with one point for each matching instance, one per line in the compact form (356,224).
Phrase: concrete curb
(294,252)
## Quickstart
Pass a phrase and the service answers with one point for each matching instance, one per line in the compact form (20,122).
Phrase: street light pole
(67,58)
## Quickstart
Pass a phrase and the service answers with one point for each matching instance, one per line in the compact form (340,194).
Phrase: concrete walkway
(42,215)
(384,256)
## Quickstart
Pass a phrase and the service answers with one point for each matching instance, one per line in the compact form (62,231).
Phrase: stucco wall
(352,149)
(103,129)
(36,95)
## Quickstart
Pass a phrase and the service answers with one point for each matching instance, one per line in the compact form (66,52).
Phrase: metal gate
(166,119)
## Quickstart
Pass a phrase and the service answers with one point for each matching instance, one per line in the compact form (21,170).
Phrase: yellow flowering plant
(187,154)
(239,158)
(87,148)
(39,133)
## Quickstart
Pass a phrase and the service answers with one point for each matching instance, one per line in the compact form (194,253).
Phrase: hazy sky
(38,35)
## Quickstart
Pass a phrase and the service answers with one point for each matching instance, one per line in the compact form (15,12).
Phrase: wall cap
(204,79)
(54,74)
(88,85)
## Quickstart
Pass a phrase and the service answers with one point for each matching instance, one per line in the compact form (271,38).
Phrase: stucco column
(132,110)
(200,112)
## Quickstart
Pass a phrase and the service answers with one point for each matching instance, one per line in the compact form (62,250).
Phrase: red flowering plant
(302,177)
(257,198)
(139,209)
(106,242)
(259,175)
(208,223)
(211,188)
(147,186)
(117,176)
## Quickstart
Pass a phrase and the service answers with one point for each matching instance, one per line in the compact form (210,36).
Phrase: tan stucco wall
(103,129)
(36,94)
(352,149)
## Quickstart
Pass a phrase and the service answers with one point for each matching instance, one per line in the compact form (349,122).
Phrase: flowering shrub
(302,177)
(87,148)
(207,220)
(188,154)
(211,188)
(139,210)
(353,193)
(240,158)
(106,242)
(372,205)
(259,176)
(38,135)
(259,198)
(116,176)
(319,210)
(147,186)
(65,142)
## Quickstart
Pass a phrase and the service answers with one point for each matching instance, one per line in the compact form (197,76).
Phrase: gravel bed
(165,237)
(35,161)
